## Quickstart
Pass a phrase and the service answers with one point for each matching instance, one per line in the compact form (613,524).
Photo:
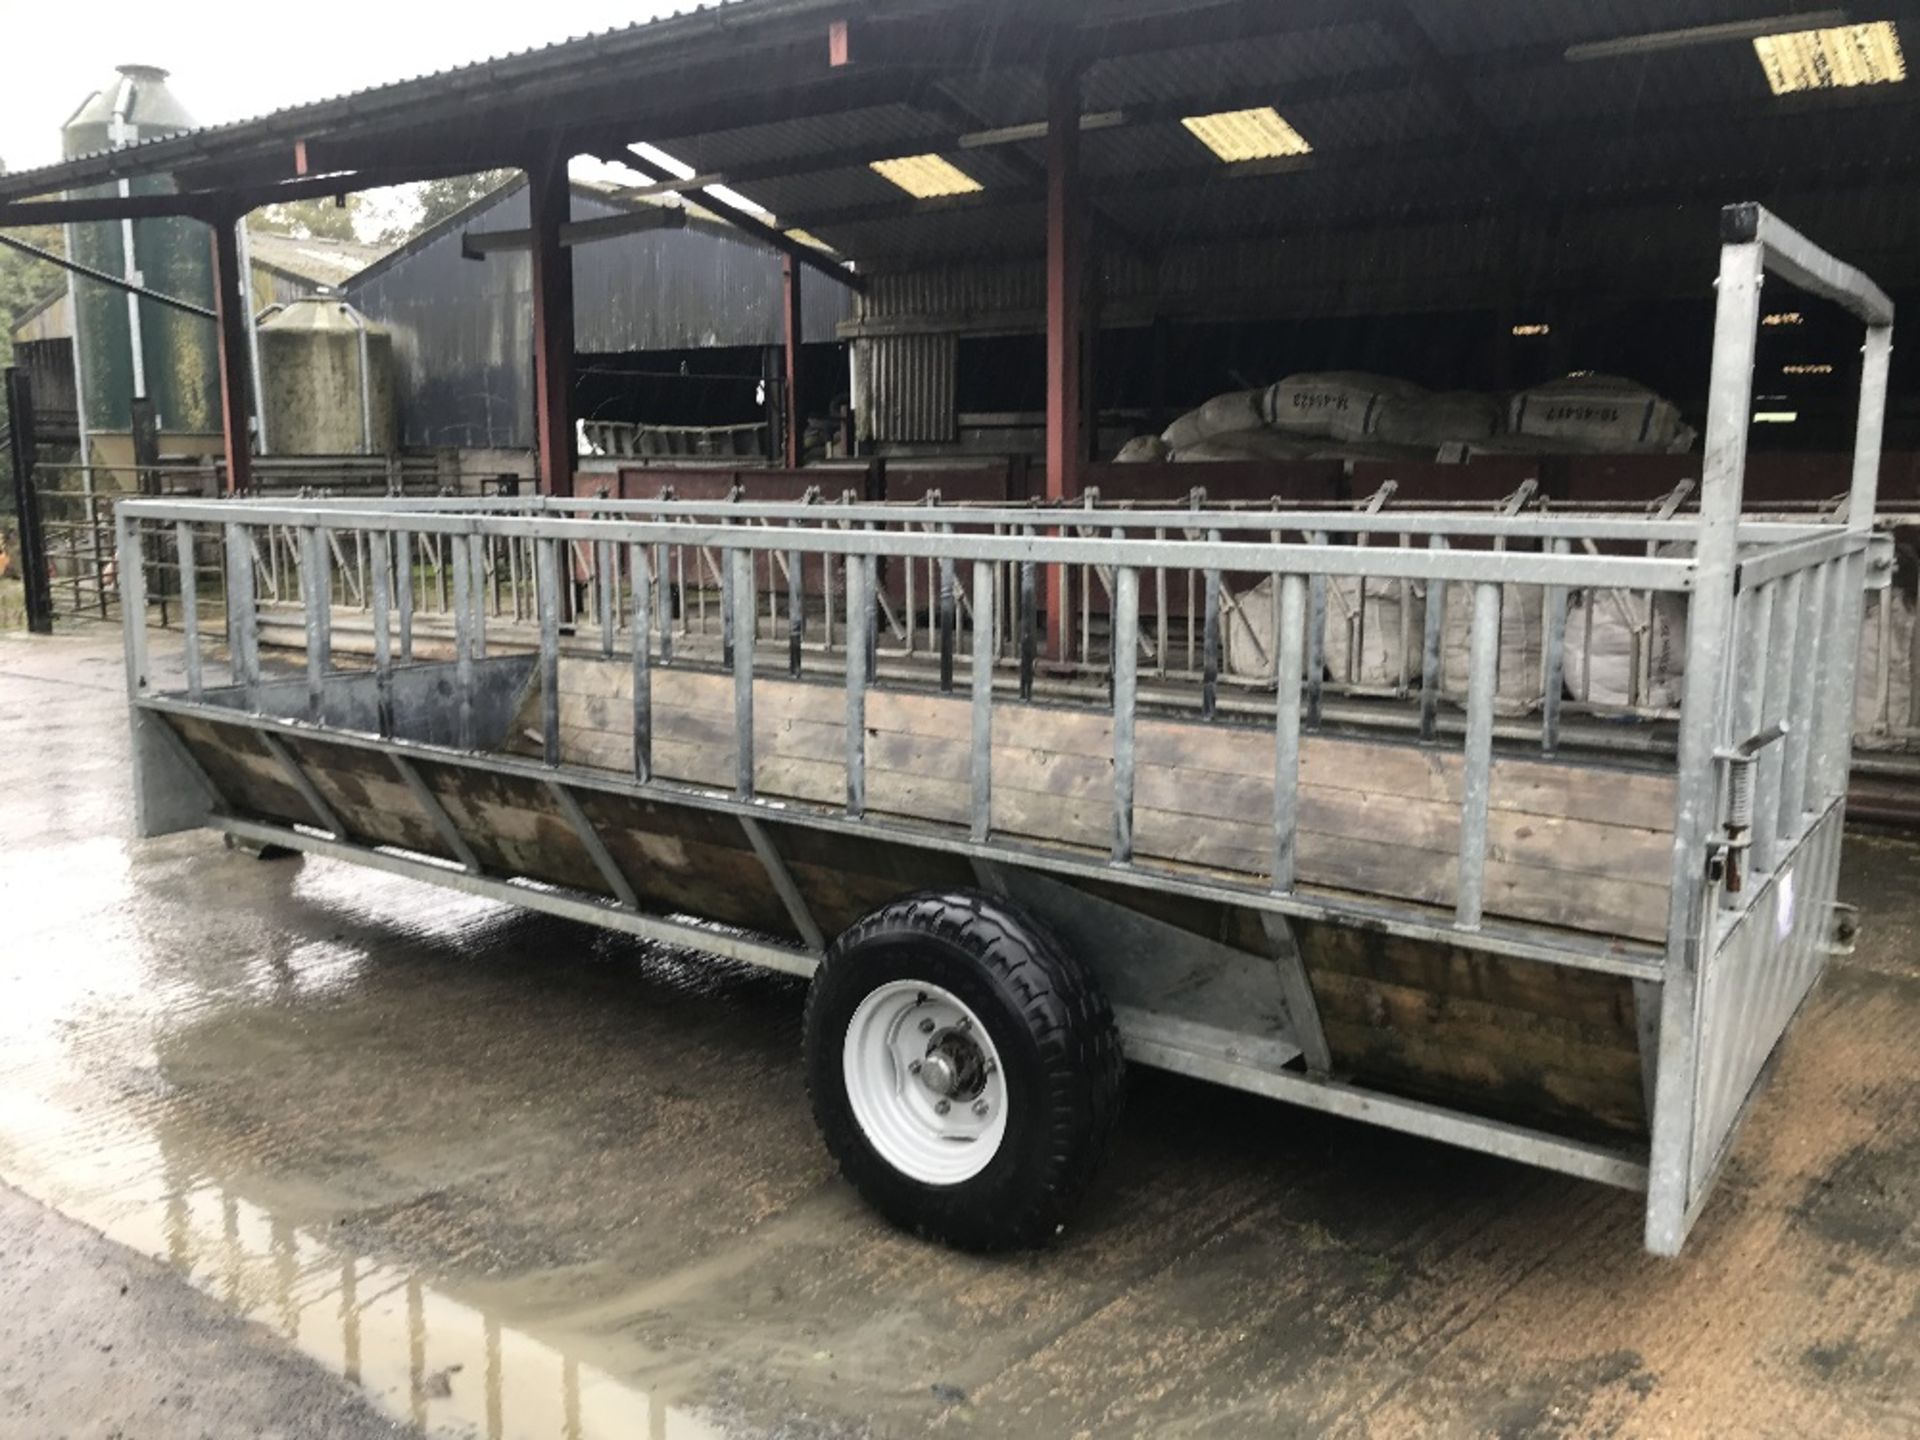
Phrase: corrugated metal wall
(463,329)
(909,387)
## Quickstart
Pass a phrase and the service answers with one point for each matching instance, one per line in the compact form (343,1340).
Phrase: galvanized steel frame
(1809,594)
(1785,594)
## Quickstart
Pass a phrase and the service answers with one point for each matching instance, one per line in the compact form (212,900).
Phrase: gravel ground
(96,1340)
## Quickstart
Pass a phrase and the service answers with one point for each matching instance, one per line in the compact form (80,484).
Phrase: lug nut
(913,1068)
(980,1107)
(926,1026)
(992,1065)
(940,1107)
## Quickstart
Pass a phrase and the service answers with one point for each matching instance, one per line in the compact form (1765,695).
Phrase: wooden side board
(1569,844)
(1510,1038)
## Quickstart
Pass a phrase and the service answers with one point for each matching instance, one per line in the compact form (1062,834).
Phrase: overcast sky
(232,60)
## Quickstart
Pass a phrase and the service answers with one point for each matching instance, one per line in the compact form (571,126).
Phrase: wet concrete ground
(516,1178)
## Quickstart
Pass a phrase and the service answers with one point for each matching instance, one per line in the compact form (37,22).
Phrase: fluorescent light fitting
(1240,135)
(1654,41)
(1775,417)
(1528,331)
(1832,59)
(1819,368)
(1783,317)
(926,177)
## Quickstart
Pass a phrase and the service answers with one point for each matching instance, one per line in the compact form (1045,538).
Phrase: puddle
(422,1355)
(87,1128)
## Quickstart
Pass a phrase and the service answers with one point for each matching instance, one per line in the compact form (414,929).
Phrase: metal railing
(800,591)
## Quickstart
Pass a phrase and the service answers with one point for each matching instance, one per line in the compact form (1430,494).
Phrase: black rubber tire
(1059,1052)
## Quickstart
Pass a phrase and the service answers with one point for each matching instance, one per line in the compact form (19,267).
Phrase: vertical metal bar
(1793,770)
(740,561)
(1783,619)
(243,613)
(547,600)
(189,605)
(859,627)
(1028,622)
(1483,674)
(1160,609)
(1831,657)
(1553,681)
(477,596)
(133,600)
(1317,640)
(1126,671)
(871,631)
(1670,1180)
(316,586)
(609,590)
(727,637)
(641,579)
(1430,651)
(1289,647)
(382,587)
(948,618)
(404,550)
(985,642)
(906,568)
(796,608)
(1751,620)
(1210,646)
(465,605)
(663,577)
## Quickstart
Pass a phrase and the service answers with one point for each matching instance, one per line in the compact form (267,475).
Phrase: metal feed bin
(327,374)
(128,347)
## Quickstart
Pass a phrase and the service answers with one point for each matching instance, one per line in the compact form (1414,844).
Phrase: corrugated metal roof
(320,261)
(1383,118)
(479,75)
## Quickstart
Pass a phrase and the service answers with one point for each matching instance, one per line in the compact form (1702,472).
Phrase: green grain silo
(128,347)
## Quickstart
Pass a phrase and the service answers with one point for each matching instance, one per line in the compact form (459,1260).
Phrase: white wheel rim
(925,1082)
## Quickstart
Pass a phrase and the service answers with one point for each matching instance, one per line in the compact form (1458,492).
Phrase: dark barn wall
(463,329)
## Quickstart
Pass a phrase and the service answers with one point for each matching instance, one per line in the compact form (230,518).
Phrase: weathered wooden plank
(1565,846)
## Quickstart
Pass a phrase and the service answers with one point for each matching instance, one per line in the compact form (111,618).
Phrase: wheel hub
(924,1081)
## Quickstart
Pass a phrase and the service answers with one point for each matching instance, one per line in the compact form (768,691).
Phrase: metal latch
(1731,848)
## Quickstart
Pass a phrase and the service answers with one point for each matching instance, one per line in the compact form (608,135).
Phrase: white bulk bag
(1142,450)
(1898,648)
(1222,415)
(1599,413)
(1426,422)
(1335,404)
(1243,445)
(1598,664)
(1522,643)
(1248,626)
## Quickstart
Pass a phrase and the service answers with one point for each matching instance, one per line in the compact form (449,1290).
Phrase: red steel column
(1065,237)
(550,201)
(232,309)
(790,319)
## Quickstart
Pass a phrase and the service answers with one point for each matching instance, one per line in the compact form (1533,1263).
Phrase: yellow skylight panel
(1832,59)
(1238,135)
(807,237)
(926,177)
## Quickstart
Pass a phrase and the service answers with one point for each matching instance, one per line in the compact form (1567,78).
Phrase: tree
(25,281)
(440,198)
(309,219)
